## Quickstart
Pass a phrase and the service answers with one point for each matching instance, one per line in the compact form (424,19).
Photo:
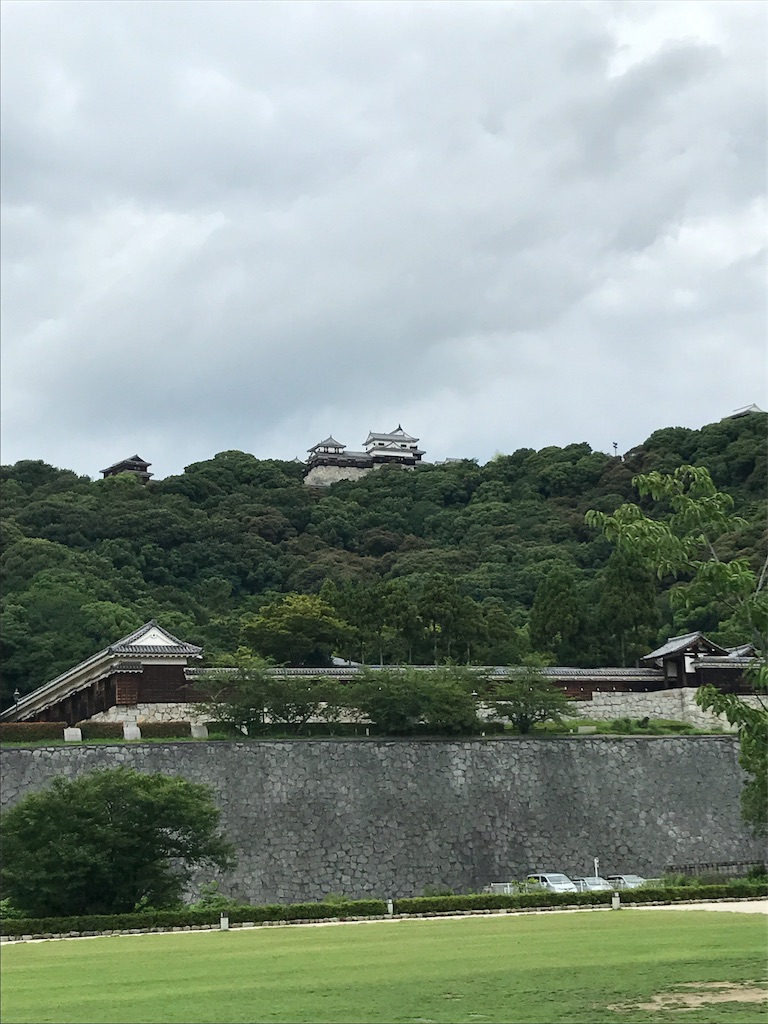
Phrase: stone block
(131,731)
(73,735)
(199,732)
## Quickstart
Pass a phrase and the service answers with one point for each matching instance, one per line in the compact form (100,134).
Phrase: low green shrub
(212,898)
(31,732)
(101,730)
(345,909)
(165,730)
(182,918)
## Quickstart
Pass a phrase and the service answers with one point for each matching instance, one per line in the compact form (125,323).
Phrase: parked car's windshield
(557,878)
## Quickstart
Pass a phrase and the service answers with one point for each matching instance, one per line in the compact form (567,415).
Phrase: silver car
(592,883)
(626,881)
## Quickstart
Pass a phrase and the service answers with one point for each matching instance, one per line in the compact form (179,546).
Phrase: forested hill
(474,563)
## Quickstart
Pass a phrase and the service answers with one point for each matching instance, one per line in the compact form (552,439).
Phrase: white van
(552,882)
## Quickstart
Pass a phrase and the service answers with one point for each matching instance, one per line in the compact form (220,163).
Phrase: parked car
(592,883)
(552,882)
(626,881)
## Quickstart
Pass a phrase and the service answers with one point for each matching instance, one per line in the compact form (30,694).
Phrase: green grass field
(587,967)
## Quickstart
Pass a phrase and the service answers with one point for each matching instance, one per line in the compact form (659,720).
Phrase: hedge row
(491,901)
(30,732)
(101,730)
(165,730)
(184,918)
(371,908)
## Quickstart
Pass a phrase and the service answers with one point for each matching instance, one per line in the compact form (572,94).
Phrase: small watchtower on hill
(135,464)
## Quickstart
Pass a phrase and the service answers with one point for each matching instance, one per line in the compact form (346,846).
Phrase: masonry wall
(391,817)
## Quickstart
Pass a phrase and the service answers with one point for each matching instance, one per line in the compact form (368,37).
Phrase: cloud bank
(249,225)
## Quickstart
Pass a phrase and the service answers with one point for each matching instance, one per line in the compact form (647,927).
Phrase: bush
(188,916)
(31,732)
(141,854)
(212,898)
(101,730)
(370,908)
(165,730)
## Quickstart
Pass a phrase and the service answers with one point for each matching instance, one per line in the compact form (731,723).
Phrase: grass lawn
(585,967)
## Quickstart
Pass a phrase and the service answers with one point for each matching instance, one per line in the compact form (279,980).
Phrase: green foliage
(529,699)
(752,723)
(300,629)
(256,700)
(213,899)
(108,842)
(697,519)
(237,697)
(400,702)
(440,564)
(31,732)
(101,730)
(164,730)
(184,917)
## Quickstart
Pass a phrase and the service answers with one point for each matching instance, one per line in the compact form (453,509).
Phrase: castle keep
(329,460)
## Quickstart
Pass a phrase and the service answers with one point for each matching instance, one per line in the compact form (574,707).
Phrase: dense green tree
(529,699)
(109,842)
(400,701)
(686,544)
(558,616)
(299,629)
(626,612)
(210,548)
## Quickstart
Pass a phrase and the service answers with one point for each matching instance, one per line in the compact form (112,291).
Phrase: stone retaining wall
(391,817)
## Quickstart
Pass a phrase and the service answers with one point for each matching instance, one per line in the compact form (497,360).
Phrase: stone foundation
(135,714)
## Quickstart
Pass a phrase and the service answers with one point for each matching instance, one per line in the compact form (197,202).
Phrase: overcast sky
(503,225)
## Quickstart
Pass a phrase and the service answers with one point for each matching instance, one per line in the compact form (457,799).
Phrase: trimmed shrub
(101,730)
(185,917)
(165,730)
(372,908)
(31,732)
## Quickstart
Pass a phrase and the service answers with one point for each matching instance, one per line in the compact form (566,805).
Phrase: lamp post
(16,697)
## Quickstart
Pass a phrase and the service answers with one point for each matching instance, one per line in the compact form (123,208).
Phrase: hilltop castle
(329,460)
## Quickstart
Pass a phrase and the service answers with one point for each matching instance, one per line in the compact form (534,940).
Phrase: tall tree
(557,616)
(528,699)
(299,629)
(686,543)
(109,842)
(626,613)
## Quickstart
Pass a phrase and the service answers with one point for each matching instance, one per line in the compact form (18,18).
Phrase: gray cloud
(233,225)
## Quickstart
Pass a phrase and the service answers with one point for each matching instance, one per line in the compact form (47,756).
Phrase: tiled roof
(743,651)
(680,644)
(712,661)
(132,460)
(329,442)
(394,435)
(153,640)
(159,643)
